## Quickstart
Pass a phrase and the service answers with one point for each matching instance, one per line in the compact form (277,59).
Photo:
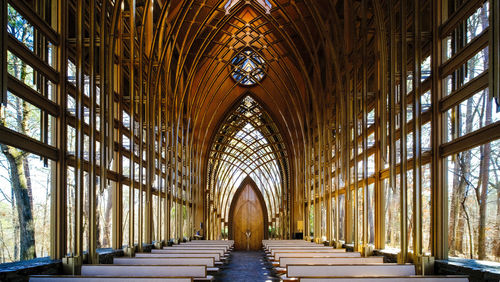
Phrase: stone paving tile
(246,267)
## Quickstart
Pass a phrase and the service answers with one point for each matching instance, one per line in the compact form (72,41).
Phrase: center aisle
(247,266)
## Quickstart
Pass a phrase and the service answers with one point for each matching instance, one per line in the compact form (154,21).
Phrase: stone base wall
(20,271)
(475,272)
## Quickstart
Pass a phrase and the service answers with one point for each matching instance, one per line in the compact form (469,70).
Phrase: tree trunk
(15,224)
(497,239)
(484,175)
(371,225)
(485,162)
(454,208)
(107,218)
(19,169)
(465,167)
(19,184)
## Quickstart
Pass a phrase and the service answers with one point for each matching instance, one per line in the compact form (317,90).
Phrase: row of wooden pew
(190,261)
(308,262)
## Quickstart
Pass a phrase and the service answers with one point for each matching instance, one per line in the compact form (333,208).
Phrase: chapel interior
(128,126)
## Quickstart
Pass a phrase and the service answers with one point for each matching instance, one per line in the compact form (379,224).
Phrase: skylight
(248,67)
(264,3)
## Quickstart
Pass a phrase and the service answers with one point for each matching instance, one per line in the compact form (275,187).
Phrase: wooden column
(439,194)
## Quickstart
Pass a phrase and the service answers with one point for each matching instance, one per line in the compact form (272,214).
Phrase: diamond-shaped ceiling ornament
(264,3)
(247,67)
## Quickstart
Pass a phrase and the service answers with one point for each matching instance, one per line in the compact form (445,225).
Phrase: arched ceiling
(247,144)
(288,35)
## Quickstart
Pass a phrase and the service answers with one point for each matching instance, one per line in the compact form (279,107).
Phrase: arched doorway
(248,217)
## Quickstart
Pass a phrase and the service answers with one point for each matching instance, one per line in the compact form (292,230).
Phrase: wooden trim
(27,93)
(34,61)
(25,10)
(481,136)
(3,52)
(476,45)
(477,84)
(494,51)
(18,140)
(461,13)
(439,195)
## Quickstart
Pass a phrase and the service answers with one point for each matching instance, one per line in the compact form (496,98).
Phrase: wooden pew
(279,255)
(339,270)
(199,246)
(215,256)
(449,278)
(284,242)
(298,244)
(273,252)
(188,251)
(288,243)
(284,261)
(217,242)
(301,248)
(270,248)
(70,278)
(208,262)
(230,246)
(229,242)
(197,272)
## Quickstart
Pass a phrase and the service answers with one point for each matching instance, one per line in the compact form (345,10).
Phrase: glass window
(371,214)
(126,214)
(104,209)
(474,26)
(22,117)
(426,208)
(70,209)
(231,3)
(426,136)
(392,214)
(247,67)
(24,32)
(473,181)
(155,217)
(425,101)
(136,216)
(25,205)
(341,216)
(471,115)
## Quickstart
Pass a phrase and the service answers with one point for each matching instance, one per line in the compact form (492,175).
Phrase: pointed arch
(248,181)
(247,143)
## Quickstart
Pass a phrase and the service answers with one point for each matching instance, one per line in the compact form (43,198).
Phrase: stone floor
(247,266)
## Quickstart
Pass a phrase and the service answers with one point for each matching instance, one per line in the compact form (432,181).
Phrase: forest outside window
(473,180)
(25,201)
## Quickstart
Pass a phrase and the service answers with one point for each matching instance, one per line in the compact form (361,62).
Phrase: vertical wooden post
(92,244)
(494,51)
(403,200)
(58,210)
(417,133)
(355,120)
(117,210)
(439,193)
(3,53)
(392,98)
(131,248)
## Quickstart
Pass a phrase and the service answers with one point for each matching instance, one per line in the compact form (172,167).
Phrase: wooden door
(248,215)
